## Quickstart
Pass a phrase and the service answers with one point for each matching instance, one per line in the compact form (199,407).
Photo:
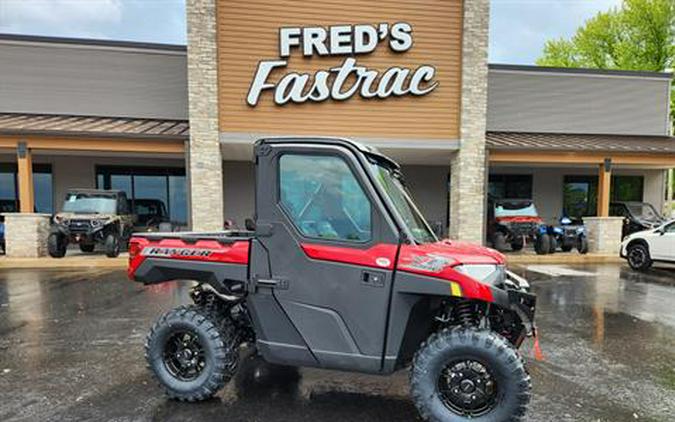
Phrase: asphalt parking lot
(71,349)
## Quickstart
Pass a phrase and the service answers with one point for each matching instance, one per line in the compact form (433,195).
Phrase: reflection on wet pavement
(71,348)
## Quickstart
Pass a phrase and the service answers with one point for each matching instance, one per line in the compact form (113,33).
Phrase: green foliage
(638,36)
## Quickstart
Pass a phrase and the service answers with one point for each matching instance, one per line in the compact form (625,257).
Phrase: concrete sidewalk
(69,261)
(81,260)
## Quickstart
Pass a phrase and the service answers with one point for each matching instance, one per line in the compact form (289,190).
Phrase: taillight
(134,248)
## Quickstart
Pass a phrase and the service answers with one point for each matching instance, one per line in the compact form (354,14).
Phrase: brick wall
(205,165)
(26,235)
(468,166)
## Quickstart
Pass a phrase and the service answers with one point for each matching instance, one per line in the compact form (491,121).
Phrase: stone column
(205,171)
(469,166)
(604,234)
(26,234)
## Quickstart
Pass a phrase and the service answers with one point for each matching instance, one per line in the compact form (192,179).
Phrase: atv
(514,222)
(91,217)
(341,271)
(570,234)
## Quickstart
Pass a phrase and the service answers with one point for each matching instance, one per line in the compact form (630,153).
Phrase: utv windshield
(391,184)
(644,212)
(90,203)
(515,209)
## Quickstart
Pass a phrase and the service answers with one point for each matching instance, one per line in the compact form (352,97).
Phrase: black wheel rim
(468,388)
(637,257)
(184,356)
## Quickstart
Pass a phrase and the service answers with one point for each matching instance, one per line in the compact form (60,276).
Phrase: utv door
(331,248)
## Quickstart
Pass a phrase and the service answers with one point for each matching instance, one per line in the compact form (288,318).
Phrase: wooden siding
(248,32)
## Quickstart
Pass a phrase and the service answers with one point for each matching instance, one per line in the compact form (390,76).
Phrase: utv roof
(348,143)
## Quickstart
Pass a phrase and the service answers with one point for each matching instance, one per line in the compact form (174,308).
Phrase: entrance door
(331,251)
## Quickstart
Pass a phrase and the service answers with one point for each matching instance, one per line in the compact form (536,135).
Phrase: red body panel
(381,255)
(521,219)
(141,248)
(431,259)
(437,260)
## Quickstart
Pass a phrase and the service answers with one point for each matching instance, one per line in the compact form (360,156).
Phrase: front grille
(79,226)
(523,229)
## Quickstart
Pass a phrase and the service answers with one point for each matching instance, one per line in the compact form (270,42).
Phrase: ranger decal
(178,252)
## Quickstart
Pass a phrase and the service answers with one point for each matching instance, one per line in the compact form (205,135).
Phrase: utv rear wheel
(466,374)
(56,245)
(112,245)
(518,244)
(189,353)
(499,241)
(582,245)
(567,245)
(639,258)
(87,247)
(542,244)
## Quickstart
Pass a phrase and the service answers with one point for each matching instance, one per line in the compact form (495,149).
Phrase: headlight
(487,273)
(97,223)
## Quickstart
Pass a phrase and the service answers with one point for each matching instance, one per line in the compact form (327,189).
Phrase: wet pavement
(71,349)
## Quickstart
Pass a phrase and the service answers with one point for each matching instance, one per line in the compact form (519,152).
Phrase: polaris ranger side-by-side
(341,271)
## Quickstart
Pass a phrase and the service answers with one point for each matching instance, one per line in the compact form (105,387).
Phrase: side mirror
(249,224)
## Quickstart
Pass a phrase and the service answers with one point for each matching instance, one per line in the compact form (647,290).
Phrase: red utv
(341,272)
(514,222)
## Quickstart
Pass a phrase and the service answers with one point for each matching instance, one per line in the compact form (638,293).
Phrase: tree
(638,36)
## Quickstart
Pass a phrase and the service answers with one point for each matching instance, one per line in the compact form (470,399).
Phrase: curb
(120,262)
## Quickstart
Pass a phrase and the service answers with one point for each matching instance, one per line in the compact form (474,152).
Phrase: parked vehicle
(151,215)
(570,234)
(638,216)
(91,217)
(643,248)
(341,272)
(513,222)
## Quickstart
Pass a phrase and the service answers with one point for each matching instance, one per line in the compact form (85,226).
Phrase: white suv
(643,248)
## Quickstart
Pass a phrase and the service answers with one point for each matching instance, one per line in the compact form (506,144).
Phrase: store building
(412,81)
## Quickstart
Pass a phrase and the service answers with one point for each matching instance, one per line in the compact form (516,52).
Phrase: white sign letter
(260,80)
(288,37)
(341,39)
(365,39)
(314,39)
(401,37)
(426,74)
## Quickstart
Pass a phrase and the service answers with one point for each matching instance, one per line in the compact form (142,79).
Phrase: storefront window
(580,196)
(42,185)
(581,193)
(510,186)
(166,185)
(627,188)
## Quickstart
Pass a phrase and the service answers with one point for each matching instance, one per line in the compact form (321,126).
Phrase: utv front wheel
(466,374)
(542,244)
(189,353)
(112,245)
(56,245)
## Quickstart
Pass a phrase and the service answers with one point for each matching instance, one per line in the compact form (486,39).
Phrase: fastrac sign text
(342,82)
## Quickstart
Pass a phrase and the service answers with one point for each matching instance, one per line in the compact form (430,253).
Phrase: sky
(518,28)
